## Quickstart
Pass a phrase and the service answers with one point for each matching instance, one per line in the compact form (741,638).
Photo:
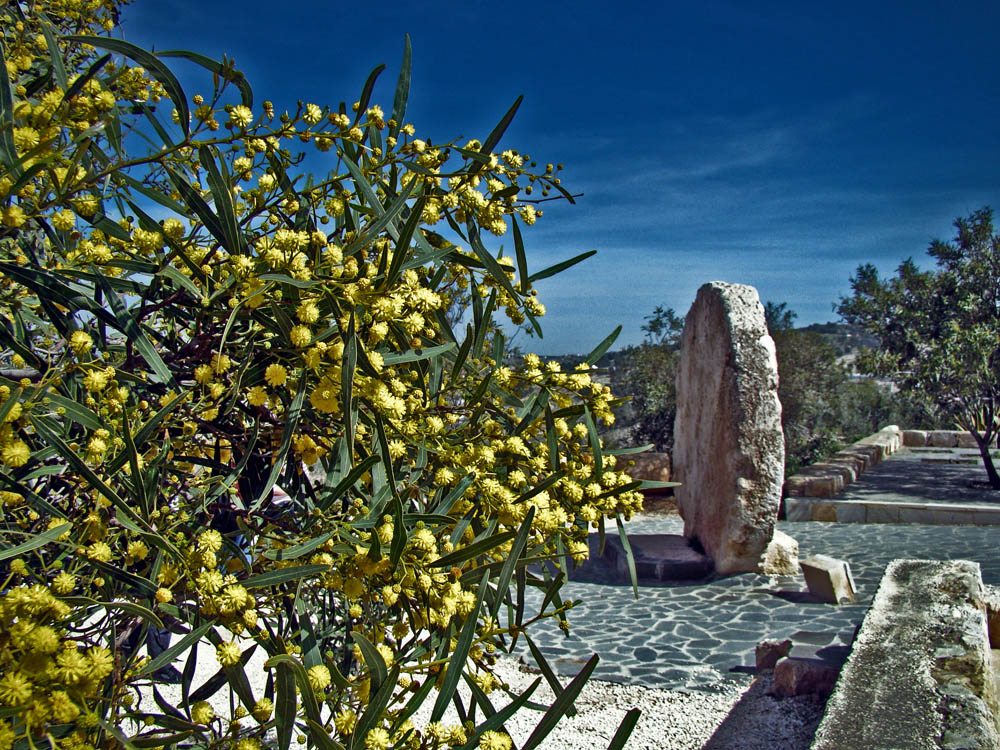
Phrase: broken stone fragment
(829,579)
(768,653)
(795,676)
(781,558)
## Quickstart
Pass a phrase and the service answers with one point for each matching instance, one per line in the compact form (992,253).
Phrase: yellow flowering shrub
(232,407)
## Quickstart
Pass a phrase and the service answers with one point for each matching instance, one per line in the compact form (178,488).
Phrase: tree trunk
(984,452)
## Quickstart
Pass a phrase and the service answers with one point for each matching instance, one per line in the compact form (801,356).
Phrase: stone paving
(932,475)
(695,636)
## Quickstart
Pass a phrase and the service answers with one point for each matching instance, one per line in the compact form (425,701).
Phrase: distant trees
(647,374)
(939,331)
(823,408)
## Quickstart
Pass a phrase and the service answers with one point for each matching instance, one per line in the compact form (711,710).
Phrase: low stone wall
(828,478)
(920,672)
(938,439)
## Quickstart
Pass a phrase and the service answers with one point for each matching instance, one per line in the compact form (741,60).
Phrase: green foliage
(647,374)
(232,407)
(939,330)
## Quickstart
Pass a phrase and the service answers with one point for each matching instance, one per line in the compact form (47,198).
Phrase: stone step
(873,511)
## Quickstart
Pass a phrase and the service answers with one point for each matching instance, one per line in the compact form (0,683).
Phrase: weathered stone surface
(991,599)
(650,465)
(829,579)
(729,451)
(966,440)
(664,557)
(767,653)
(942,439)
(795,676)
(915,438)
(919,673)
(781,558)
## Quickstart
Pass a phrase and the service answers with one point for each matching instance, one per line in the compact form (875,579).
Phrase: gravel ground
(733,716)
(730,718)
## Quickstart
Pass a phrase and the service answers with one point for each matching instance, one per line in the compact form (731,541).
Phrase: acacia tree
(939,330)
(187,322)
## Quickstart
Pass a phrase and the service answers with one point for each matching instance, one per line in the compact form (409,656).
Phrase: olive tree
(939,330)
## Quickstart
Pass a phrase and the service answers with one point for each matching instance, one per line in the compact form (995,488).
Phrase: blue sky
(776,144)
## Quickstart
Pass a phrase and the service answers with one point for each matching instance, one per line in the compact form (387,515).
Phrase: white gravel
(730,718)
(734,717)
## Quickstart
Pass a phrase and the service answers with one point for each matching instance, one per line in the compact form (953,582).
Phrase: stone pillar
(729,451)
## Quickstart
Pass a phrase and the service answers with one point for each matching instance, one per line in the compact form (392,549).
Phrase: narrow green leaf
(298,550)
(374,660)
(348,365)
(601,348)
(510,564)
(48,432)
(321,737)
(463,352)
(376,708)
(402,252)
(8,153)
(219,183)
(522,259)
(168,656)
(456,664)
(402,90)
(500,717)
(560,705)
(560,267)
(415,355)
(283,575)
(77,86)
(628,451)
(181,280)
(13,399)
(159,71)
(291,422)
(625,729)
(149,428)
(285,705)
(347,482)
(136,336)
(301,679)
(551,439)
(547,672)
(366,92)
(38,540)
(134,609)
(228,74)
(494,137)
(492,266)
(462,554)
(629,557)
(193,200)
(285,279)
(595,443)
(58,69)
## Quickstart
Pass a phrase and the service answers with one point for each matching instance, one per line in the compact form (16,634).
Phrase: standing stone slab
(729,452)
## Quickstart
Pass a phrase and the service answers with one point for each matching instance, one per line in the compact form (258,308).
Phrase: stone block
(825,512)
(966,440)
(796,486)
(942,439)
(851,513)
(798,510)
(920,673)
(768,653)
(826,485)
(882,513)
(829,579)
(649,465)
(729,450)
(846,467)
(991,600)
(796,676)
(781,558)
(915,438)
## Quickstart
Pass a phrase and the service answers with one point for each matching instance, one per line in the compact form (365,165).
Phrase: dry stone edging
(728,446)
(920,670)
(828,478)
